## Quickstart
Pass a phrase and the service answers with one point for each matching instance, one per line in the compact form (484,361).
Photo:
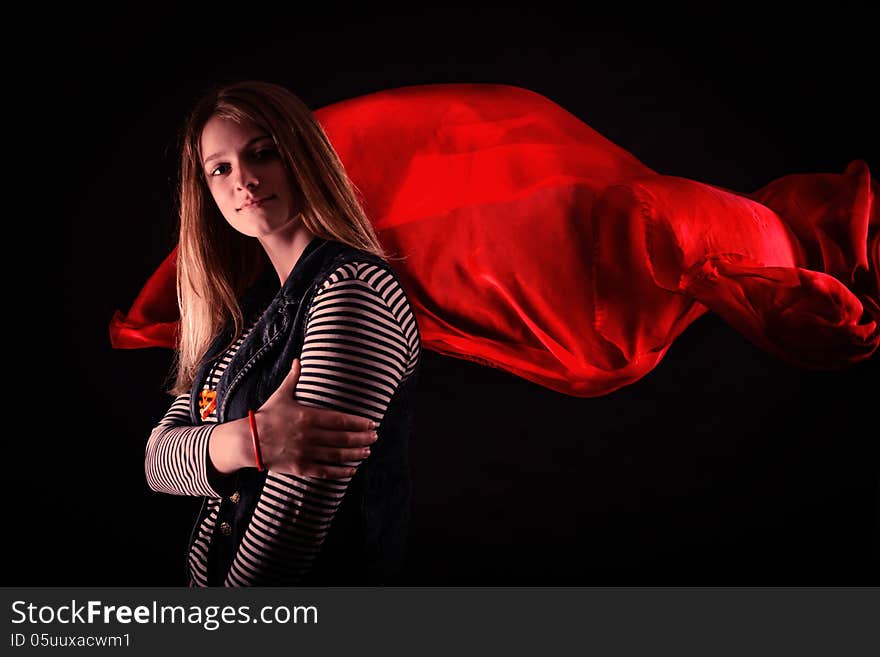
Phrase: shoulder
(352,267)
(367,287)
(359,270)
(366,278)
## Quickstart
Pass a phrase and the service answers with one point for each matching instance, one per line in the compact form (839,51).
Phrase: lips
(256,202)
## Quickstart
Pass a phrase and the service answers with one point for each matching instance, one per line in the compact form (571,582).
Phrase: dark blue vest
(366,540)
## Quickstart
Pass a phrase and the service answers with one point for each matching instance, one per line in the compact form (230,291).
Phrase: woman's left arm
(361,341)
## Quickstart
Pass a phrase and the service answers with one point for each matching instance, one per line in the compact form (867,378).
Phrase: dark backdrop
(722,466)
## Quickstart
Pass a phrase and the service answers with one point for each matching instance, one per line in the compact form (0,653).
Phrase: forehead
(221,136)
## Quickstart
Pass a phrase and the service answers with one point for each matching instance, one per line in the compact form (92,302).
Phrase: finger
(337,439)
(338,455)
(326,419)
(292,376)
(329,472)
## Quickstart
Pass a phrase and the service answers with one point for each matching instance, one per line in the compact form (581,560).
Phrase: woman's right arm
(186,459)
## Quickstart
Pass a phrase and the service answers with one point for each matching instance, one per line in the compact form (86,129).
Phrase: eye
(259,155)
(264,153)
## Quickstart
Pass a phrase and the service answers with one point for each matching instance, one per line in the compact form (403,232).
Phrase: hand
(308,441)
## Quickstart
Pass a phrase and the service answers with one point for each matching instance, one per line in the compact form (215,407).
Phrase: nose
(247,179)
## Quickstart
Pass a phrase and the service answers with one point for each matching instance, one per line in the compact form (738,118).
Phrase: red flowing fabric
(535,245)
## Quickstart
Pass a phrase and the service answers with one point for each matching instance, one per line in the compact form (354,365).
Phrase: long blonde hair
(216,263)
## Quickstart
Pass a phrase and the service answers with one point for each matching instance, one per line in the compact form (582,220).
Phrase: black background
(722,466)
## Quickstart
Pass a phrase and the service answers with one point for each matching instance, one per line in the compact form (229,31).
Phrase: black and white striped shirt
(361,341)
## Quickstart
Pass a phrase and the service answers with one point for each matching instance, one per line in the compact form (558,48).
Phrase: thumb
(293,376)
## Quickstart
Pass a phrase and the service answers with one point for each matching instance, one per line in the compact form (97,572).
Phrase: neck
(285,246)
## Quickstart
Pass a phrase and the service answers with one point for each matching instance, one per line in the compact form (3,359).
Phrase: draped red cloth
(535,245)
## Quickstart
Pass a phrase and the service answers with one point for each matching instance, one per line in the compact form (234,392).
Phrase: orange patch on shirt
(207,403)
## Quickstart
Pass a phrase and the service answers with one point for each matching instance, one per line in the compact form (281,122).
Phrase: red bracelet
(258,457)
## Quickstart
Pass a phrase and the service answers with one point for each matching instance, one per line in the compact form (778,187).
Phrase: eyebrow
(247,145)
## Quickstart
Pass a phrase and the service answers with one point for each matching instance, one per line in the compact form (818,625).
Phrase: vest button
(226,528)
(235,497)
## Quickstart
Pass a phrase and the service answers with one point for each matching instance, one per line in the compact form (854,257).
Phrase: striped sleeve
(176,459)
(361,341)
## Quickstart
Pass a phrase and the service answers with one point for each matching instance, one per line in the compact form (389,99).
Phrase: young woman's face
(246,177)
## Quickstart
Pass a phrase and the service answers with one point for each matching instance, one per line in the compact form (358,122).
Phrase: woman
(287,307)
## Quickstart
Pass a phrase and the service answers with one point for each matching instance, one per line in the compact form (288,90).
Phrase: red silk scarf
(535,245)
